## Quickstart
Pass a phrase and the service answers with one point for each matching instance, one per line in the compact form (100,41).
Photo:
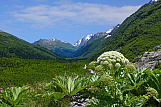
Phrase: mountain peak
(50,41)
(53,39)
(1,31)
(92,37)
(82,41)
(153,1)
(109,31)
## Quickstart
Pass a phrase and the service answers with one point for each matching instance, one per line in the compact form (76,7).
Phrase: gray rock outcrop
(149,59)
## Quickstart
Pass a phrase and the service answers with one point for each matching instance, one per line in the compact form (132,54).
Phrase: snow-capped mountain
(152,1)
(66,49)
(50,41)
(82,41)
(109,31)
(92,37)
(95,43)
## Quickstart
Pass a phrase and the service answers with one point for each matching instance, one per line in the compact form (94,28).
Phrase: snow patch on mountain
(109,31)
(153,1)
(78,43)
(107,36)
(82,41)
(98,35)
(64,42)
(50,41)
(53,39)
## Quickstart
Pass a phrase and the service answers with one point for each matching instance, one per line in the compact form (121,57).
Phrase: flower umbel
(107,80)
(130,67)
(108,61)
(99,68)
(117,65)
(112,59)
(152,92)
(92,65)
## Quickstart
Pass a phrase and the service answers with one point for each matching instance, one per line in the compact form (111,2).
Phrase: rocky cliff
(150,59)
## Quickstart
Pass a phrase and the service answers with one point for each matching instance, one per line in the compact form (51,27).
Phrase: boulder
(149,59)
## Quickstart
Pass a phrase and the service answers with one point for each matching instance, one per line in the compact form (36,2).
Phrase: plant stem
(66,101)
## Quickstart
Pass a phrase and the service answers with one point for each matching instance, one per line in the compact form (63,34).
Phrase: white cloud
(77,13)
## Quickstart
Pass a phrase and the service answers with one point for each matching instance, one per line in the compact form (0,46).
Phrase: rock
(119,49)
(157,47)
(79,103)
(149,59)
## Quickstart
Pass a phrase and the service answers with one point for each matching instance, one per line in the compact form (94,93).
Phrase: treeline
(18,72)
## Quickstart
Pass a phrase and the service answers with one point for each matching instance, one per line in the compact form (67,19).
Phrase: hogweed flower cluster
(130,67)
(112,57)
(99,68)
(107,80)
(152,92)
(109,60)
(92,65)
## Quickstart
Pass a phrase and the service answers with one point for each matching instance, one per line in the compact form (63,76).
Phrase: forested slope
(138,33)
(90,48)
(94,44)
(11,46)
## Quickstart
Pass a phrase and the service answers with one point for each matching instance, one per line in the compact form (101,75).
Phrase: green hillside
(138,33)
(13,47)
(91,47)
(57,46)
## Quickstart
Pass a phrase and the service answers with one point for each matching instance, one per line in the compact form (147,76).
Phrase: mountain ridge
(57,46)
(94,44)
(83,40)
(138,33)
(153,1)
(68,50)
(14,47)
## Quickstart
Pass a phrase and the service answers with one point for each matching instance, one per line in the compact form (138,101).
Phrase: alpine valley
(119,67)
(137,34)
(68,50)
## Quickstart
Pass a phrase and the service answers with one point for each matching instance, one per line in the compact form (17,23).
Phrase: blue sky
(66,20)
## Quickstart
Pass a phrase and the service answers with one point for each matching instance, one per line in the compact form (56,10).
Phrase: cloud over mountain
(74,13)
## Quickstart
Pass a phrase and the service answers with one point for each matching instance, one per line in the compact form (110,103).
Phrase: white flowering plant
(109,61)
(121,84)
